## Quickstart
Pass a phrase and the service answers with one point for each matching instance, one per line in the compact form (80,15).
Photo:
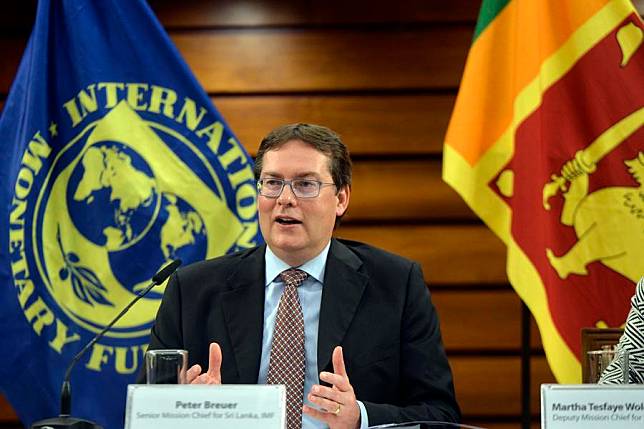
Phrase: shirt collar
(314,267)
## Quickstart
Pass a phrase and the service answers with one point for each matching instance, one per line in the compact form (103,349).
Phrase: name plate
(591,406)
(158,406)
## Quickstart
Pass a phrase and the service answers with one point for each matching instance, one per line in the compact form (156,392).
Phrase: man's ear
(343,197)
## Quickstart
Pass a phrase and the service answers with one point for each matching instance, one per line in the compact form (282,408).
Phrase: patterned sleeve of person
(630,350)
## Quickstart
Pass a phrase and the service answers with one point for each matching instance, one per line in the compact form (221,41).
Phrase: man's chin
(293,252)
(287,247)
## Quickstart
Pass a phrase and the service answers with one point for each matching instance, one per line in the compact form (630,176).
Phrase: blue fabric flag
(115,162)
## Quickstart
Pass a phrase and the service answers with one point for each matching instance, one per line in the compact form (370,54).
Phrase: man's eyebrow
(272,174)
(308,174)
(300,175)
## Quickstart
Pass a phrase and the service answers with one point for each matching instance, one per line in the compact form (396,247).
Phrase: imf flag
(114,163)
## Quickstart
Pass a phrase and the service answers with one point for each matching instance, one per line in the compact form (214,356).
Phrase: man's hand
(338,406)
(213,376)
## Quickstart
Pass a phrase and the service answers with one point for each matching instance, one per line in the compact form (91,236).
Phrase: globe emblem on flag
(114,202)
(112,195)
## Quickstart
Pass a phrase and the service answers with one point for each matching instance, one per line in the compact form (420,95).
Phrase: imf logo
(100,213)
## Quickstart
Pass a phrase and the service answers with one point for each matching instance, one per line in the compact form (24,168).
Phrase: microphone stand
(65,420)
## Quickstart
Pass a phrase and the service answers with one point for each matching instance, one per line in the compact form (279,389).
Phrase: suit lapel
(341,294)
(243,308)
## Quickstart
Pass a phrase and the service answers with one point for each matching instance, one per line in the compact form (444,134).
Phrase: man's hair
(322,139)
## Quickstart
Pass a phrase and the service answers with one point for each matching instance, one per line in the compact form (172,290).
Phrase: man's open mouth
(287,221)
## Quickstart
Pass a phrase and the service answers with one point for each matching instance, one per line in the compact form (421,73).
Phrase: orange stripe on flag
(503,60)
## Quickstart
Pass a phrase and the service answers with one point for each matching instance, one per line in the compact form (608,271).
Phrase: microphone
(64,420)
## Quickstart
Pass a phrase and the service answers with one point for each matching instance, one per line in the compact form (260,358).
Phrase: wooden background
(384,75)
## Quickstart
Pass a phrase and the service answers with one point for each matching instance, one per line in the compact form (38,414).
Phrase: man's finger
(214,362)
(334,395)
(337,380)
(338,361)
(201,379)
(193,373)
(324,404)
(317,414)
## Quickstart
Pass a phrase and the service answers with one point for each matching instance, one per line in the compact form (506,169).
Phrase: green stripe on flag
(489,10)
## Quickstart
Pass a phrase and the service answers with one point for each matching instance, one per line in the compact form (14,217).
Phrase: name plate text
(591,406)
(160,406)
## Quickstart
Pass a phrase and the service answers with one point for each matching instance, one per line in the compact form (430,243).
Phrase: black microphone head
(166,272)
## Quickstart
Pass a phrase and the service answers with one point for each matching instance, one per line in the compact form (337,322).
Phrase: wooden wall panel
(247,61)
(488,385)
(479,320)
(403,191)
(381,124)
(197,13)
(491,385)
(19,15)
(449,254)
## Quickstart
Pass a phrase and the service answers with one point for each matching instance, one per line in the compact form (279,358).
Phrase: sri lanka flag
(546,144)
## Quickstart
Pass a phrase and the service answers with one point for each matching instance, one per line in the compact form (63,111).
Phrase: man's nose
(287,197)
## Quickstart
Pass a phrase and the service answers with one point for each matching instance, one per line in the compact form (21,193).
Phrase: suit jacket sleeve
(426,389)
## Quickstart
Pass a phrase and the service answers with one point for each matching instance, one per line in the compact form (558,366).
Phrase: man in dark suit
(355,322)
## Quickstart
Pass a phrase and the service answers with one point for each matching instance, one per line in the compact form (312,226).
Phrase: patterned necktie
(287,362)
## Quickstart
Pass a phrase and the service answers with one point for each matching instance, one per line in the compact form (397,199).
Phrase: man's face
(297,229)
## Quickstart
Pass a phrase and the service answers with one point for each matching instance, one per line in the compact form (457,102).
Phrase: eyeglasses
(302,188)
